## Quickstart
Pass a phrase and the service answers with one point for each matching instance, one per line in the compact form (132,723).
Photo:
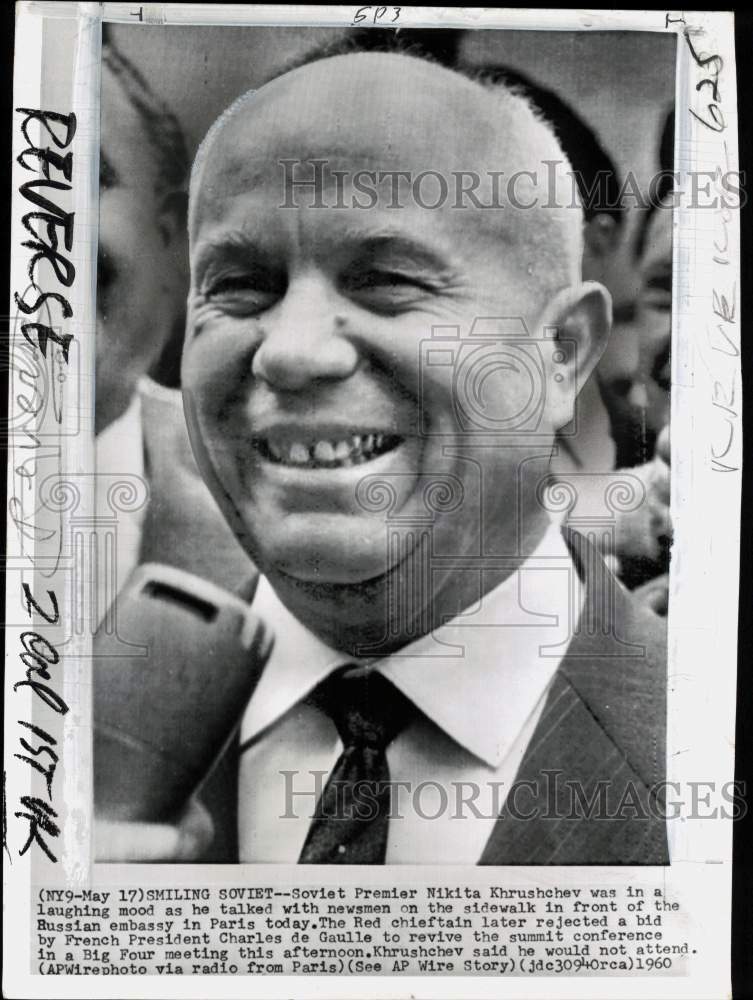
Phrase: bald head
(395,113)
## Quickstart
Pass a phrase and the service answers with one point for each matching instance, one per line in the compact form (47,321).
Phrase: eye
(243,293)
(393,278)
(377,279)
(230,284)
(383,288)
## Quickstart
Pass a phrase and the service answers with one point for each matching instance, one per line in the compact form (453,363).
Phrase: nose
(305,339)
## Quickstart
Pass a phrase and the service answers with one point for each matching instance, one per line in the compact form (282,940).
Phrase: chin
(332,569)
(340,550)
(351,602)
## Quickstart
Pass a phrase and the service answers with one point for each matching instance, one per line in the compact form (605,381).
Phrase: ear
(581,317)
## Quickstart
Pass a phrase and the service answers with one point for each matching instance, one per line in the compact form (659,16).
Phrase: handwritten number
(52,618)
(379,12)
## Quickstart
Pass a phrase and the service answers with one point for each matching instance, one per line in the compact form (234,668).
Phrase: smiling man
(306,325)
(434,631)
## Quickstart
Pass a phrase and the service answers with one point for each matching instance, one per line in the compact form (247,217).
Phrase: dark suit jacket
(586,792)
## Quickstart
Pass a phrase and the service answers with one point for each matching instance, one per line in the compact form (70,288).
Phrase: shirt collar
(478,677)
(299,661)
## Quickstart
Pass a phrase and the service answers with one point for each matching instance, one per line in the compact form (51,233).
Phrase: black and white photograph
(373,502)
(391,352)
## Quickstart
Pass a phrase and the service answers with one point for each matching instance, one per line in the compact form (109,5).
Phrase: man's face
(139,267)
(305,369)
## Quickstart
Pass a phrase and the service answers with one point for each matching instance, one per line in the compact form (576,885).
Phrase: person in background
(142,282)
(636,365)
(636,374)
(141,265)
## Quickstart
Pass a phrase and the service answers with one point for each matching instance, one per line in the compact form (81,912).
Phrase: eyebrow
(399,245)
(229,247)
(238,244)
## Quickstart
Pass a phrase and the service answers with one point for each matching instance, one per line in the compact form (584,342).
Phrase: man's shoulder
(591,776)
(617,663)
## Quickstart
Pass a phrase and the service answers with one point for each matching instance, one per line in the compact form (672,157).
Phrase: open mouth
(356,449)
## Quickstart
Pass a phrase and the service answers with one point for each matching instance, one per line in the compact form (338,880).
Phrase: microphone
(169,695)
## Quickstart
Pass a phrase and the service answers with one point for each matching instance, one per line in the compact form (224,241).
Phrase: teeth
(298,454)
(355,450)
(324,451)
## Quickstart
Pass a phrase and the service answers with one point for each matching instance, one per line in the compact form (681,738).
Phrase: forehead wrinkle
(240,242)
(236,242)
(382,129)
(496,130)
(341,96)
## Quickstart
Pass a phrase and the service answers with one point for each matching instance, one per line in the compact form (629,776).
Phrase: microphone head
(176,660)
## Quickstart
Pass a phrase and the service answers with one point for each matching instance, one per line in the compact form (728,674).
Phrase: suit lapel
(583,792)
(576,800)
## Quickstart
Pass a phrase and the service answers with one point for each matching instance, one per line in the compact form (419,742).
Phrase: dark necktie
(352,816)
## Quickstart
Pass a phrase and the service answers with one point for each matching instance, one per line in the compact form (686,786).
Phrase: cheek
(216,370)
(479,389)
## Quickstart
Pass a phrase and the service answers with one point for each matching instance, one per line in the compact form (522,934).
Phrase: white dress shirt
(480,682)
